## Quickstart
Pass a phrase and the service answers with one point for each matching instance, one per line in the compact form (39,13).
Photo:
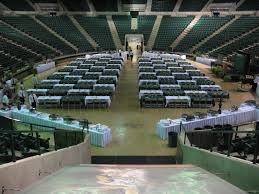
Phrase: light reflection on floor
(153,179)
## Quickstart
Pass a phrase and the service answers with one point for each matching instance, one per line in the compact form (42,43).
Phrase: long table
(100,135)
(244,114)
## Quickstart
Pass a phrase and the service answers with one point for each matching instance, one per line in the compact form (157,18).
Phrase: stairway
(35,39)
(153,35)
(177,6)
(185,32)
(233,40)
(214,34)
(90,5)
(239,4)
(148,6)
(114,33)
(83,32)
(54,33)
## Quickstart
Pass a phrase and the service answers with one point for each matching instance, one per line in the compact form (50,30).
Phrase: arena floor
(160,179)
(133,128)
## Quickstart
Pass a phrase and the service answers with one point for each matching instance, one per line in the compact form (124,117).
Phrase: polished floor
(133,128)
(130,179)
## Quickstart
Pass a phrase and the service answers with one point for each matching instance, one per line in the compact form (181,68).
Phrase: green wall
(240,173)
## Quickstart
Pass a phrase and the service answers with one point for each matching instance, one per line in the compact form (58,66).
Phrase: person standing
(5,100)
(33,100)
(35,80)
(22,96)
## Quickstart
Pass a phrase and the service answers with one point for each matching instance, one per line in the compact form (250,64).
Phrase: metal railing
(69,136)
(207,141)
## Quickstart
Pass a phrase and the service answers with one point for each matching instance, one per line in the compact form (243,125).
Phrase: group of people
(9,94)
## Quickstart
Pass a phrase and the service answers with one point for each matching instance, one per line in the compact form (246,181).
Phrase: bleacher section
(123,25)
(98,29)
(237,28)
(204,28)
(249,5)
(17,51)
(242,43)
(23,40)
(163,5)
(105,5)
(28,25)
(76,5)
(192,5)
(84,83)
(169,82)
(64,27)
(253,50)
(170,29)
(17,5)
(10,63)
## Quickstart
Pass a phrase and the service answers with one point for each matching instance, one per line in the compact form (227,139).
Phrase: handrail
(212,131)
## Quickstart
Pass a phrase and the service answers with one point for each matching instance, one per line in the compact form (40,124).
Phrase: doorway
(134,43)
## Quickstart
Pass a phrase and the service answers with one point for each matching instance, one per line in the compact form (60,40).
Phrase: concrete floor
(133,128)
(154,179)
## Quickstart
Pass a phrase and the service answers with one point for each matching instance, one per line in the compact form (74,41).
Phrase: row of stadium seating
(234,30)
(98,29)
(204,28)
(64,27)
(242,43)
(170,29)
(28,25)
(123,26)
(108,5)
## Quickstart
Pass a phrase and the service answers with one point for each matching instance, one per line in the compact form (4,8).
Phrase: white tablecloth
(73,76)
(186,81)
(172,98)
(87,81)
(44,67)
(187,92)
(61,73)
(49,99)
(243,115)
(79,91)
(200,77)
(147,81)
(64,85)
(145,73)
(38,92)
(109,76)
(89,99)
(209,87)
(55,81)
(112,86)
(170,86)
(180,73)
(167,76)
(142,92)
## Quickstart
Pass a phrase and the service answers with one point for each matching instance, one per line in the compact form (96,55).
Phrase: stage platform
(132,179)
